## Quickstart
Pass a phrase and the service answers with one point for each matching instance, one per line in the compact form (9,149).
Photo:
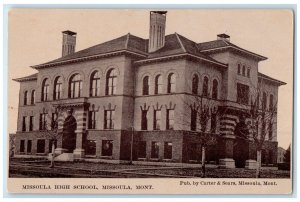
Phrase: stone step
(65,157)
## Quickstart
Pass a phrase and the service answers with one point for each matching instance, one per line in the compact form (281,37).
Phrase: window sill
(141,159)
(106,157)
(90,156)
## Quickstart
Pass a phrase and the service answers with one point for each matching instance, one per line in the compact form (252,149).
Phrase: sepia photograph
(133,100)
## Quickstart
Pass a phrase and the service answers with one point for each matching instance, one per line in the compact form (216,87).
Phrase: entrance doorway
(241,144)
(69,135)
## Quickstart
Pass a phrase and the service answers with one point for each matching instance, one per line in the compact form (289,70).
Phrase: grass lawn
(31,168)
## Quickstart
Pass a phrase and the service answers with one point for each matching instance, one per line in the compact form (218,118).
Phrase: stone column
(228,123)
(79,151)
(226,153)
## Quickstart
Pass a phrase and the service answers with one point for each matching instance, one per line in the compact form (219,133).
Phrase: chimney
(69,42)
(223,37)
(157,30)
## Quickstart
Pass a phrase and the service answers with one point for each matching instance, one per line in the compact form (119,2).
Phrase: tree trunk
(52,156)
(258,164)
(203,162)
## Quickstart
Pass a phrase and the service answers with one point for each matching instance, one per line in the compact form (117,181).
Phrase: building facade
(138,99)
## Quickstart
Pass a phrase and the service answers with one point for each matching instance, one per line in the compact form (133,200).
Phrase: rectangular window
(54,121)
(270,131)
(193,151)
(144,120)
(29,146)
(92,119)
(157,119)
(42,121)
(31,118)
(90,147)
(22,146)
(248,72)
(109,119)
(170,119)
(213,125)
(193,119)
(142,149)
(50,145)
(168,150)
(24,123)
(107,147)
(40,146)
(154,150)
(242,93)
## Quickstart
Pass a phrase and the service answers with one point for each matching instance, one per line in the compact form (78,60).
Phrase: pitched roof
(126,42)
(263,76)
(220,44)
(27,78)
(177,44)
(174,44)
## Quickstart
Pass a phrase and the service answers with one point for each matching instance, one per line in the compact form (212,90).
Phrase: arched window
(215,89)
(75,86)
(33,97)
(248,72)
(57,88)
(111,82)
(45,90)
(239,68)
(95,84)
(195,84)
(25,97)
(205,87)
(158,84)
(146,85)
(171,83)
(271,104)
(264,102)
(244,70)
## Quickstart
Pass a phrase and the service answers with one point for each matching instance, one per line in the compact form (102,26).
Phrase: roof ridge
(127,40)
(180,42)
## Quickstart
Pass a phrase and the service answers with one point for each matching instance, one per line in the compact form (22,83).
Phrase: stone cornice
(179,56)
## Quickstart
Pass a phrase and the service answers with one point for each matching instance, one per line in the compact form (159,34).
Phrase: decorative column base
(59,151)
(78,153)
(226,163)
(250,164)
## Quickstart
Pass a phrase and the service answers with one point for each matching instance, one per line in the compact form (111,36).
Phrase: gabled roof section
(265,77)
(223,44)
(176,45)
(127,42)
(27,78)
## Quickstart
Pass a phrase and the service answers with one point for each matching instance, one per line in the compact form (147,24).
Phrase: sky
(35,37)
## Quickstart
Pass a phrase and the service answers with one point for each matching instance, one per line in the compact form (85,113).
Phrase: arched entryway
(69,135)
(241,144)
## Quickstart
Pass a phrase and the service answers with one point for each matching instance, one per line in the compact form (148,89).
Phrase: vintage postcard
(161,101)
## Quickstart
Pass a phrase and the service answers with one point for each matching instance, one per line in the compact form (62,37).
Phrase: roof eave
(260,57)
(279,83)
(108,54)
(24,79)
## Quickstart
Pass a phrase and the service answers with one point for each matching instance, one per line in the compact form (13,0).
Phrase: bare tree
(199,112)
(50,130)
(260,119)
